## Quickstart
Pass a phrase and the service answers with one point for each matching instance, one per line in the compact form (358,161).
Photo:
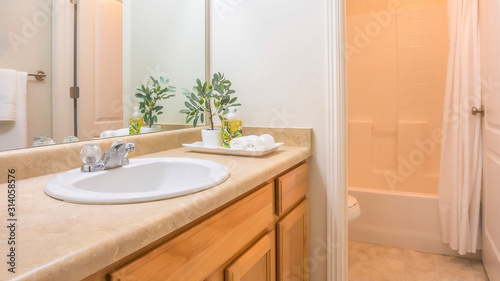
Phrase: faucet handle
(90,153)
(117,142)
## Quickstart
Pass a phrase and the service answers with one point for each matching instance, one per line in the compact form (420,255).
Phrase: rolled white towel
(243,142)
(122,132)
(237,143)
(252,142)
(115,133)
(106,134)
(265,141)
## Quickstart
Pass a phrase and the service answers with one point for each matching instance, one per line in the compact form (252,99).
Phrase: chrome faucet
(116,156)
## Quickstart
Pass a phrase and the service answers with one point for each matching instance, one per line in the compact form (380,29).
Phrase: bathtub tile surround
(396,79)
(371,262)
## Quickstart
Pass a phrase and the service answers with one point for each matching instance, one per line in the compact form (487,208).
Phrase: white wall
(275,54)
(167,38)
(26,45)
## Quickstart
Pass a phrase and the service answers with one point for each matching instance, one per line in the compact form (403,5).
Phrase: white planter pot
(152,129)
(211,138)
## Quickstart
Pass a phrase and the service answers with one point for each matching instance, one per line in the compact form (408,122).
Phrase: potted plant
(150,96)
(205,102)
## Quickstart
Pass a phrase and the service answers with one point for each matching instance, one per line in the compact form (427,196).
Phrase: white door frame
(62,71)
(337,143)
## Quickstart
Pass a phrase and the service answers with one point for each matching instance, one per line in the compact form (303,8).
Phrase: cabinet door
(198,252)
(293,244)
(257,263)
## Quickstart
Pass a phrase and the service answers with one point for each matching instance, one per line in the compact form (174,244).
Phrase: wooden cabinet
(196,253)
(261,236)
(257,263)
(291,188)
(293,244)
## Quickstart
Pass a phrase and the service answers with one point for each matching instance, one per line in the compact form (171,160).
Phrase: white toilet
(353,210)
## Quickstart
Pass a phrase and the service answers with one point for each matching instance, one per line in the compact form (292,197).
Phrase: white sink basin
(144,179)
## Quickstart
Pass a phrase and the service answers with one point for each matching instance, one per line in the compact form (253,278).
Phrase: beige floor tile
(361,254)
(359,274)
(386,268)
(389,252)
(454,263)
(420,266)
(420,261)
(385,276)
(478,270)
(421,275)
(369,262)
(360,248)
(447,274)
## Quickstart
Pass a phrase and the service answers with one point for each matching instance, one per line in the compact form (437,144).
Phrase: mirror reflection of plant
(209,100)
(150,96)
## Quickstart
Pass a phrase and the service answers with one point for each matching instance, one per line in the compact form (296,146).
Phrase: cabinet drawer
(196,253)
(290,188)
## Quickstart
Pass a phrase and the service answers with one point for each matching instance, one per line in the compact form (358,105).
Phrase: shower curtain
(461,151)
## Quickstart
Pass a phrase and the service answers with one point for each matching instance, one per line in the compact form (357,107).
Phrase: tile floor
(369,262)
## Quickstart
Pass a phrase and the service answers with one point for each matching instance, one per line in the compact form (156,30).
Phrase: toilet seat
(353,209)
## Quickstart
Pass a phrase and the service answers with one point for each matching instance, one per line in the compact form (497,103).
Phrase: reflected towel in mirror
(14,135)
(8,95)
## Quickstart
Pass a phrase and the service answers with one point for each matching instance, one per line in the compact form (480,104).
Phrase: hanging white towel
(461,150)
(8,95)
(14,135)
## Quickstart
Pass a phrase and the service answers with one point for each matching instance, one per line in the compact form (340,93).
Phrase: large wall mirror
(120,44)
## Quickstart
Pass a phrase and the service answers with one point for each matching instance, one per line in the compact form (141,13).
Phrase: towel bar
(39,75)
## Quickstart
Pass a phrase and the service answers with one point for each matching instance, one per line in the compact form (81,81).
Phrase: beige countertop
(56,240)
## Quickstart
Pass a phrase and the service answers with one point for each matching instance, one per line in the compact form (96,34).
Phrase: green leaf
(188,105)
(195,121)
(202,118)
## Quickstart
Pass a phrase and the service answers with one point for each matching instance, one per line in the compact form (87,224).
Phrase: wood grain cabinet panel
(257,263)
(291,188)
(198,252)
(293,244)
(262,236)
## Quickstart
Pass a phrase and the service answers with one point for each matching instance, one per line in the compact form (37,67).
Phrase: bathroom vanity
(253,226)
(263,233)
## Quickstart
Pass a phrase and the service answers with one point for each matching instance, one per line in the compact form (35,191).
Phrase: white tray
(198,147)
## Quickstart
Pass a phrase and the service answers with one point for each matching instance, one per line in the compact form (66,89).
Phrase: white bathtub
(399,219)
